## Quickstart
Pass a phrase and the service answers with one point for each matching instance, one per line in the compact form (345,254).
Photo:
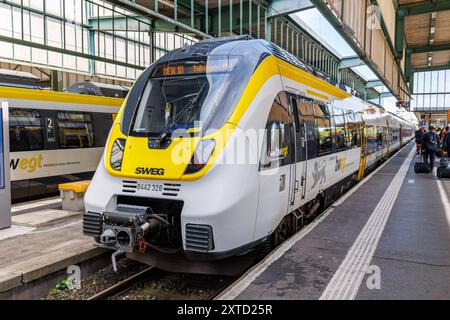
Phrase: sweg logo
(28,164)
(150,171)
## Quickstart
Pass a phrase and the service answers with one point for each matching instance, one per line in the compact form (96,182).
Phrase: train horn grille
(171,189)
(129,186)
(92,224)
(199,237)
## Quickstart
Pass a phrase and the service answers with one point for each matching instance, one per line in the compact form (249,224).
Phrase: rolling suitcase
(420,166)
(443,171)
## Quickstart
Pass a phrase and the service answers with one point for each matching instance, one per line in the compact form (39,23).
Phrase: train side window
(379,138)
(339,130)
(75,130)
(279,134)
(351,129)
(25,130)
(358,120)
(323,123)
(306,113)
(371,139)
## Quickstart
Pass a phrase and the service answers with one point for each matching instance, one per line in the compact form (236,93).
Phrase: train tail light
(201,156)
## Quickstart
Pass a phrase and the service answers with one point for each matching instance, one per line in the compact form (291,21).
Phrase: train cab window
(306,113)
(339,130)
(323,123)
(25,130)
(278,139)
(75,130)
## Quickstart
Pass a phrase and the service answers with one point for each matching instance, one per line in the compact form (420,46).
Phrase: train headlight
(117,154)
(201,156)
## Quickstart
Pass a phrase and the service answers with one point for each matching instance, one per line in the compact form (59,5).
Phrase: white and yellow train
(55,137)
(172,182)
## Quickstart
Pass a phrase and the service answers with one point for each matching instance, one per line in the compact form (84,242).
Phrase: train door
(299,184)
(400,135)
(363,139)
(276,160)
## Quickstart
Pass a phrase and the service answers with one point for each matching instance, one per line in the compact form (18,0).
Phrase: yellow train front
(218,147)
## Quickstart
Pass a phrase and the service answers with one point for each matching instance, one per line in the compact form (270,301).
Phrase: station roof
(427,32)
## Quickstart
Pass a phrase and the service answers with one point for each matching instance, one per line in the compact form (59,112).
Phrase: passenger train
(171,187)
(54,137)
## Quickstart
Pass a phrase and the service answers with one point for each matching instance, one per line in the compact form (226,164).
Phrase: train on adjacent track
(54,138)
(225,148)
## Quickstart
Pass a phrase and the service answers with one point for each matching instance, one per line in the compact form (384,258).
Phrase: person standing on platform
(430,146)
(419,139)
(446,141)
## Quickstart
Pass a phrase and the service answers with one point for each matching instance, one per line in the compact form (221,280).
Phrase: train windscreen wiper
(162,137)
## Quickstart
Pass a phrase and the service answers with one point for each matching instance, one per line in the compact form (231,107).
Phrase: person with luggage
(446,141)
(443,171)
(430,146)
(419,139)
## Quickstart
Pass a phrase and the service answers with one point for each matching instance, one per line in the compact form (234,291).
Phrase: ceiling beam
(430,48)
(374,83)
(432,68)
(350,62)
(414,9)
(386,95)
(285,7)
(69,52)
(141,10)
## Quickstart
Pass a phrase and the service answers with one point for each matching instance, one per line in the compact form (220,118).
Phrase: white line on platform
(445,201)
(411,181)
(33,204)
(245,280)
(15,231)
(78,222)
(346,281)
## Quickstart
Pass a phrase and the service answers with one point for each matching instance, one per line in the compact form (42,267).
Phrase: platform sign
(5,186)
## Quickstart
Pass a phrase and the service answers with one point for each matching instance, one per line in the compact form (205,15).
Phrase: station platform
(387,238)
(43,240)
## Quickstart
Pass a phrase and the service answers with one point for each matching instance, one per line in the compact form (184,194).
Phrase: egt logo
(27,164)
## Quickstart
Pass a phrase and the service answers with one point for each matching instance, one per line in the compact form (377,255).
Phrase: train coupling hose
(113,259)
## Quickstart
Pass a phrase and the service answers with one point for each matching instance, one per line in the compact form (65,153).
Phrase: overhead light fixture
(429,58)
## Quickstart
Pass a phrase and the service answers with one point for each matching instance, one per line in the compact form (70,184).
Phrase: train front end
(162,186)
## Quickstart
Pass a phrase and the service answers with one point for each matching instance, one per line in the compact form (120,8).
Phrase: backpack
(431,141)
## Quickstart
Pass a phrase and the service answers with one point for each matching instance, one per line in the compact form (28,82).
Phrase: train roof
(264,48)
(54,96)
(14,78)
(104,85)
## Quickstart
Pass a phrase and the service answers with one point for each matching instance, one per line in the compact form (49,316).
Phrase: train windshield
(187,94)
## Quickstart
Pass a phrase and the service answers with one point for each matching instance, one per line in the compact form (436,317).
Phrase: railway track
(137,283)
(125,285)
